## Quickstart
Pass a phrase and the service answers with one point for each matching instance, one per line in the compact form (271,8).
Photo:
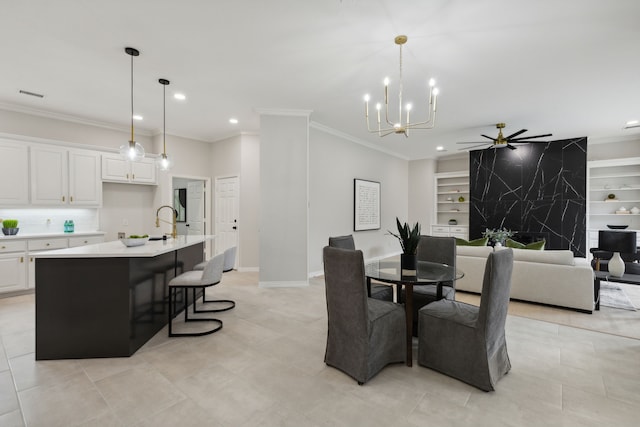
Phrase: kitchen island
(106,299)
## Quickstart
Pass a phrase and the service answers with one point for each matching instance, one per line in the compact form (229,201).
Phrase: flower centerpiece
(498,235)
(10,227)
(409,239)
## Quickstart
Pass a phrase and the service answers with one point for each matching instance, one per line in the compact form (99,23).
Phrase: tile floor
(265,368)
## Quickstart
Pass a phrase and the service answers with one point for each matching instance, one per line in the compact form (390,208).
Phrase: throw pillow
(477,242)
(538,246)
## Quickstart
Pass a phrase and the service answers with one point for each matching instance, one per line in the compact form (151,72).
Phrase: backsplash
(47,220)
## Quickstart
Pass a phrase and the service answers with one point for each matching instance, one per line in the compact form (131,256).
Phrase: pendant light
(163,162)
(133,150)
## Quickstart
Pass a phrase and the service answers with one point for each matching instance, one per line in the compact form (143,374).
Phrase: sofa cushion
(477,242)
(560,257)
(474,251)
(539,246)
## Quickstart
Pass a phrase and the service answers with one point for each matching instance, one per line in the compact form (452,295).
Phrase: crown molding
(351,138)
(69,118)
(283,112)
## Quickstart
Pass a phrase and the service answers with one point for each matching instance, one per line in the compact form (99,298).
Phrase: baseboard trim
(292,284)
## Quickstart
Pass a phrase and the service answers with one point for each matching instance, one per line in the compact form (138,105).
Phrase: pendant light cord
(132,140)
(164,120)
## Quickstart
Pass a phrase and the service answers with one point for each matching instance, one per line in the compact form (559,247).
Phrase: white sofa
(551,277)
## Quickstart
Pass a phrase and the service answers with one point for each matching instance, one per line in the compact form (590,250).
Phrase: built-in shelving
(450,187)
(620,177)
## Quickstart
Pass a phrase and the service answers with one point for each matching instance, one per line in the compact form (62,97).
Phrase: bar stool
(195,280)
(229,260)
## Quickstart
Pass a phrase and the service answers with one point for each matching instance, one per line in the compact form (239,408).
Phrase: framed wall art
(366,205)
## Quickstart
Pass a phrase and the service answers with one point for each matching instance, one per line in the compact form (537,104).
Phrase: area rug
(612,295)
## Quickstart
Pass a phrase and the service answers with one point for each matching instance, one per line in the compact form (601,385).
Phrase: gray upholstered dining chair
(194,280)
(377,291)
(434,249)
(465,341)
(364,334)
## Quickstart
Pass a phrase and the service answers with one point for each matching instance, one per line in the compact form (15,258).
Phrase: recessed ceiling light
(180,96)
(439,148)
(233,121)
(137,117)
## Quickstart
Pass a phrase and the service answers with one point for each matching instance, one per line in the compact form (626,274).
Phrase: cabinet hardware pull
(63,198)
(31,259)
(48,244)
(4,247)
(127,176)
(71,198)
(86,241)
(133,176)
(21,259)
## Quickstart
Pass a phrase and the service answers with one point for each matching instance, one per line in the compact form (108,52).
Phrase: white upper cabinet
(14,173)
(49,176)
(85,185)
(63,177)
(116,169)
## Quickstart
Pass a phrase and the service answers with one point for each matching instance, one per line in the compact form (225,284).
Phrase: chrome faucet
(174,229)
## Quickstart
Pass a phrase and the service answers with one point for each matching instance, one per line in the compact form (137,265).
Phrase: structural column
(284,190)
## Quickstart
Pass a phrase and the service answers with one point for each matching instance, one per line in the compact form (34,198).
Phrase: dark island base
(105,307)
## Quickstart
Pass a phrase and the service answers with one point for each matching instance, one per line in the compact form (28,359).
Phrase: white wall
(333,164)
(421,193)
(249,236)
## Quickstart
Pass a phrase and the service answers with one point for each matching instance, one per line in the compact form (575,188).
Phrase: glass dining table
(389,270)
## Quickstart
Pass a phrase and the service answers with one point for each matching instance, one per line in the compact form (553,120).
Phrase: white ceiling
(566,67)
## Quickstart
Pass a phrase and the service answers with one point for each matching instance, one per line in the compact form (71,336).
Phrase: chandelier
(132,150)
(403,124)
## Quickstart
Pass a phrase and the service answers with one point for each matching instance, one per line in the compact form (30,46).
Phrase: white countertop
(116,249)
(22,236)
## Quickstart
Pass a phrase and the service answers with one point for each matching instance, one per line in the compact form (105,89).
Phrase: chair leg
(231,303)
(172,298)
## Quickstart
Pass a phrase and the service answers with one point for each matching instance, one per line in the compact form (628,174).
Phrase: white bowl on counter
(130,242)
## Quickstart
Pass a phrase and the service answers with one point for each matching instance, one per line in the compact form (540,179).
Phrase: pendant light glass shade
(132,150)
(164,162)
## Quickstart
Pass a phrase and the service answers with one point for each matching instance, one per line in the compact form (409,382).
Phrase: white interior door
(226,200)
(195,208)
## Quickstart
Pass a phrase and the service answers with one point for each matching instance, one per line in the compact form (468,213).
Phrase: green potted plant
(498,235)
(10,227)
(409,239)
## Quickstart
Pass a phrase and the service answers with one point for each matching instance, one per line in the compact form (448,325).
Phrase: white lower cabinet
(18,266)
(13,270)
(459,231)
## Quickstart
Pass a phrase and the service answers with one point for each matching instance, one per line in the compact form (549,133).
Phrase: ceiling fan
(505,141)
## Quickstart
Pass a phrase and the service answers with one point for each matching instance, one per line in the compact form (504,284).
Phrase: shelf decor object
(398,127)
(617,242)
(133,150)
(163,162)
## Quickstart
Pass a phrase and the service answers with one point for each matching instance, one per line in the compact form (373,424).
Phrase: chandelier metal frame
(403,124)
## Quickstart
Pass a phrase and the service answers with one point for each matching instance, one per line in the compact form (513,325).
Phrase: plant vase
(408,261)
(10,231)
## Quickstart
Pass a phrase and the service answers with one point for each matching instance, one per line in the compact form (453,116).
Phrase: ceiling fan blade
(475,142)
(530,137)
(511,147)
(493,139)
(475,146)
(516,134)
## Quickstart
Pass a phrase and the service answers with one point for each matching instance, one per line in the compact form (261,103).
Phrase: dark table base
(633,279)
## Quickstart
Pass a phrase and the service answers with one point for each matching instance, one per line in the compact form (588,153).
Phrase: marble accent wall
(537,190)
